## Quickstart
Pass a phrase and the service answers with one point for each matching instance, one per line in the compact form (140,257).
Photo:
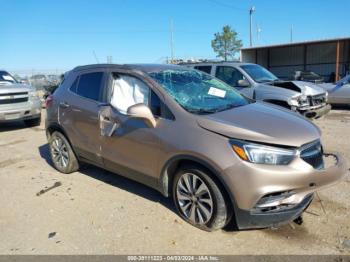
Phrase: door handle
(106,118)
(64,105)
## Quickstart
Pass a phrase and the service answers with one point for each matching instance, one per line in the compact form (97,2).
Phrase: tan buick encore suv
(221,156)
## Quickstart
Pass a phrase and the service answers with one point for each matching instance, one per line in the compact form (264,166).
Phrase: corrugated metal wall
(317,57)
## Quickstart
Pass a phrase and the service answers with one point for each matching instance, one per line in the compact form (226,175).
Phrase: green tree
(226,44)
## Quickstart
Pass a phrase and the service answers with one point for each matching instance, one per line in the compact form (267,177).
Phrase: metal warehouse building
(324,57)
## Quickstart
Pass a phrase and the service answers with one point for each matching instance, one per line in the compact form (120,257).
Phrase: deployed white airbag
(128,91)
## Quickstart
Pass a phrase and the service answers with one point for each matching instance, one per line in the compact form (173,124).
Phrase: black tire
(220,211)
(72,163)
(33,122)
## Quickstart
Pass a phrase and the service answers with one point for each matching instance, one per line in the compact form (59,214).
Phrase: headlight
(300,100)
(261,154)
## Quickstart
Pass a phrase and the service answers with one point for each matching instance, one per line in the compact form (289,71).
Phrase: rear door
(78,113)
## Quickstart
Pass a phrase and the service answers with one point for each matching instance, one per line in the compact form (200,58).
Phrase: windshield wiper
(214,110)
(202,111)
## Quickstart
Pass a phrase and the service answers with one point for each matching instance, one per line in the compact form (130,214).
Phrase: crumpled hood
(265,89)
(14,88)
(295,87)
(262,122)
(308,88)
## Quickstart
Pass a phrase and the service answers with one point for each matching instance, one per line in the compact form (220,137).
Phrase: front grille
(317,100)
(14,94)
(312,154)
(13,101)
(12,98)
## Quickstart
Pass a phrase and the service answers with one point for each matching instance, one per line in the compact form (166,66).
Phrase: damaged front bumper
(315,112)
(277,195)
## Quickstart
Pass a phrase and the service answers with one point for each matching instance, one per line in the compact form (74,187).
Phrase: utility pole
(109,59)
(291,34)
(251,11)
(172,40)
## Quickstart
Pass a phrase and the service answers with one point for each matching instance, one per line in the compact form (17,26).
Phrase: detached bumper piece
(272,217)
(317,113)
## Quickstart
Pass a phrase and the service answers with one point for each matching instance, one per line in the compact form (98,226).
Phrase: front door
(231,76)
(129,146)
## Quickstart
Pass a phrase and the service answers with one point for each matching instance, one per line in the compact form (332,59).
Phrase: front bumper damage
(277,195)
(315,112)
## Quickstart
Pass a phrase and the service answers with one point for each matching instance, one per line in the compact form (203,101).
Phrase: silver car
(18,101)
(338,93)
(256,82)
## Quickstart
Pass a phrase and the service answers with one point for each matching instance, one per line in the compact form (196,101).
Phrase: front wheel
(199,200)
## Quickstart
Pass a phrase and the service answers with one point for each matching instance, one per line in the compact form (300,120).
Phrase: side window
(89,86)
(127,91)
(205,69)
(229,75)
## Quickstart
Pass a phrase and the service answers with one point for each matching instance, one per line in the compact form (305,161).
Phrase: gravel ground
(96,212)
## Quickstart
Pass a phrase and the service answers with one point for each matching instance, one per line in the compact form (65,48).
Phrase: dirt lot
(96,212)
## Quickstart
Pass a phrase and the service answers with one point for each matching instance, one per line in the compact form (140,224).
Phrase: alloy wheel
(59,150)
(194,199)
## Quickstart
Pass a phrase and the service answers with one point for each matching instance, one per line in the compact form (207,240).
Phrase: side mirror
(243,83)
(143,112)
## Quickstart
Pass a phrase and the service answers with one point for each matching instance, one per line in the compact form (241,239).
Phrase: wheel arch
(56,127)
(173,164)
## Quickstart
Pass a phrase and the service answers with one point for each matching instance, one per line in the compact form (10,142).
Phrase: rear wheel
(198,199)
(62,155)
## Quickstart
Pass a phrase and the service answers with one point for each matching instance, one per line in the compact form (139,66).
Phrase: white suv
(18,101)
(256,82)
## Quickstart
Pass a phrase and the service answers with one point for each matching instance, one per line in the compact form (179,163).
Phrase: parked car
(339,92)
(18,101)
(54,79)
(221,156)
(40,82)
(256,82)
(307,76)
(51,89)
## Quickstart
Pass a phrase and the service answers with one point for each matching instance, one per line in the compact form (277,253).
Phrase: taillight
(48,101)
